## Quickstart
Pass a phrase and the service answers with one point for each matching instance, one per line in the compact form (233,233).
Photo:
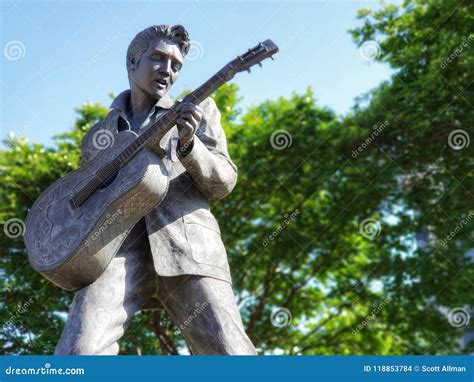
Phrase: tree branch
(166,342)
(257,313)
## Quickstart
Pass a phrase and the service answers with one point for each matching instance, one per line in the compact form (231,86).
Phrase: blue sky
(58,54)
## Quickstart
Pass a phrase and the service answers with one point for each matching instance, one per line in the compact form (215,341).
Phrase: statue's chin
(157,94)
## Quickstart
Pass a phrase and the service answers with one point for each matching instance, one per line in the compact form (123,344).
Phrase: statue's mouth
(161,84)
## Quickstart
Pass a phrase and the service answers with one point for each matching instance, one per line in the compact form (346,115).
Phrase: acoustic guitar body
(73,246)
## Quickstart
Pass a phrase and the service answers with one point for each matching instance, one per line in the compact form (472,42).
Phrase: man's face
(158,68)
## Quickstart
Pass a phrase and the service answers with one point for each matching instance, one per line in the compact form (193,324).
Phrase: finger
(191,108)
(187,105)
(197,116)
(190,104)
(185,126)
(190,118)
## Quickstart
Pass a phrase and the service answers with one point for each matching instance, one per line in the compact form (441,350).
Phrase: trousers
(204,309)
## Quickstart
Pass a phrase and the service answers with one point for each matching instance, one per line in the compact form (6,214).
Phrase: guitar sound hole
(108,181)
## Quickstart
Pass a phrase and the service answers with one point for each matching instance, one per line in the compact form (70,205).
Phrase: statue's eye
(156,56)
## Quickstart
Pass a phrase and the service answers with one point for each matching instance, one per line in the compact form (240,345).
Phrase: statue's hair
(141,42)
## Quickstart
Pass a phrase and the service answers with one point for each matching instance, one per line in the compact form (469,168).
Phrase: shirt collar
(121,102)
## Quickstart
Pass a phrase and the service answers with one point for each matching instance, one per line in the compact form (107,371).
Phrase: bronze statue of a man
(174,257)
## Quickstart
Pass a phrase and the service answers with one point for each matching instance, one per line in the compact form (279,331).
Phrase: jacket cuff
(184,150)
(196,158)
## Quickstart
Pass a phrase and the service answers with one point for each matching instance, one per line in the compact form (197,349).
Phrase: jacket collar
(122,101)
(120,105)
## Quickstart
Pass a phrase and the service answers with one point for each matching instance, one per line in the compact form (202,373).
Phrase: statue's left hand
(188,121)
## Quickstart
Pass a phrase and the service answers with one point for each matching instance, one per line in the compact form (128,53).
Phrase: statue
(174,257)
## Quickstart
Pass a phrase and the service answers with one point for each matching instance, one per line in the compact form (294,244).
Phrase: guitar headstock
(254,56)
(250,58)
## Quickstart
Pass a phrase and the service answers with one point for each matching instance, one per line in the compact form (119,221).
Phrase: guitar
(77,225)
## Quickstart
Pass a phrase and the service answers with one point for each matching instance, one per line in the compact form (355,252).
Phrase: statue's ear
(133,63)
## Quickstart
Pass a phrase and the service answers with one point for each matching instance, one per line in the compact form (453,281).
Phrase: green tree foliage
(31,306)
(422,162)
(322,227)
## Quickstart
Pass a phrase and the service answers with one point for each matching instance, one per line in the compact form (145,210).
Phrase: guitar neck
(155,133)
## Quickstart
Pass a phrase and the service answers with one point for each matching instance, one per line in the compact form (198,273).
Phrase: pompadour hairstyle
(141,42)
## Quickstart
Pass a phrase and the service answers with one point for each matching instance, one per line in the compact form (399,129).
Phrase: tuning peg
(260,64)
(248,70)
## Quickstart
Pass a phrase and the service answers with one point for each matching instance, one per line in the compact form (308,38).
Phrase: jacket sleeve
(208,162)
